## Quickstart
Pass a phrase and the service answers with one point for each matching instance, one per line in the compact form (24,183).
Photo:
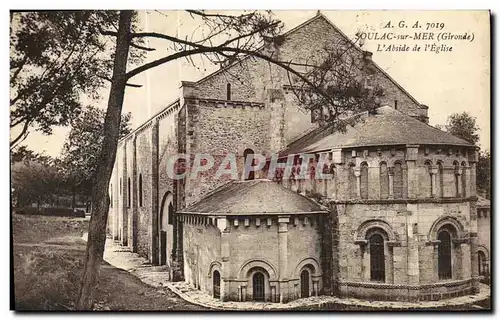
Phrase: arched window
(304,283)
(140,190)
(228,92)
(440,179)
(248,159)
(384,181)
(170,214)
(456,165)
(377,257)
(258,286)
(464,179)
(364,180)
(129,195)
(482,263)
(216,284)
(352,181)
(398,181)
(427,180)
(444,254)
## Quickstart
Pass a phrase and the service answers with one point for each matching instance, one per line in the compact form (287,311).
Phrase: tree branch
(133,45)
(127,84)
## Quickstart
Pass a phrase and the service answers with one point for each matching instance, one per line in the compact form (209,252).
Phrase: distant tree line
(65,181)
(463,125)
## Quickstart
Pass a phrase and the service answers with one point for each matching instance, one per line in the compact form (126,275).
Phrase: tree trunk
(100,199)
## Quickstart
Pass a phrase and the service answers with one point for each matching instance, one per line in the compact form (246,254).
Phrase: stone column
(283,257)
(434,252)
(391,182)
(412,245)
(357,174)
(223,226)
(458,174)
(364,259)
(466,261)
(412,170)
(434,171)
(135,206)
(473,248)
(124,213)
(116,200)
(154,195)
(315,287)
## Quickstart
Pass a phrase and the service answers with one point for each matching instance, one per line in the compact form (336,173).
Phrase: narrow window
(170,214)
(129,197)
(249,161)
(396,104)
(444,255)
(364,180)
(457,168)
(228,92)
(384,181)
(482,267)
(398,181)
(377,258)
(464,180)
(120,186)
(439,179)
(140,190)
(427,180)
(111,196)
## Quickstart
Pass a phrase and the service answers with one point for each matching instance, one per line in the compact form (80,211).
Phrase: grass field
(48,261)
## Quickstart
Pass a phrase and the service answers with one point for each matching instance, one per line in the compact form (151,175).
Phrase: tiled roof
(482,202)
(387,127)
(253,197)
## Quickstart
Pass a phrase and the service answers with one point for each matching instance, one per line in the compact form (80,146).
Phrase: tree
(22,153)
(35,182)
(463,126)
(81,149)
(483,174)
(329,83)
(55,58)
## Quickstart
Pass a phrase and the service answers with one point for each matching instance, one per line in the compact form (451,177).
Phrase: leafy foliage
(483,174)
(55,58)
(463,126)
(82,146)
(35,182)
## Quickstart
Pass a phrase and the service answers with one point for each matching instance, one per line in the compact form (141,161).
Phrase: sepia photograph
(250,160)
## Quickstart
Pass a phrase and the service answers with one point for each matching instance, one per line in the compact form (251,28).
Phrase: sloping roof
(253,197)
(482,202)
(387,127)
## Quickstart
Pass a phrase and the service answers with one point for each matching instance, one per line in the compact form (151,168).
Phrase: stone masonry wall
(143,146)
(202,246)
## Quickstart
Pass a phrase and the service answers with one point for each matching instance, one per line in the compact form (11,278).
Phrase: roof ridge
(428,125)
(374,63)
(208,76)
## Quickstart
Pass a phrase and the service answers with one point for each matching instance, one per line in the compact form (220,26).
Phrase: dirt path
(48,261)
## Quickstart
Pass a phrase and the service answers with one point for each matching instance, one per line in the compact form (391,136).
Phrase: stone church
(397,220)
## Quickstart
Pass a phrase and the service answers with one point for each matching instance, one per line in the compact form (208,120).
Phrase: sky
(447,82)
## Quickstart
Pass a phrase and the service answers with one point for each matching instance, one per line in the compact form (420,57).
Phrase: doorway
(258,286)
